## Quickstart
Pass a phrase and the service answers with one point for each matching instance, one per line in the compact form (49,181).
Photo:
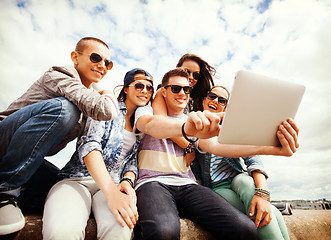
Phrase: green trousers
(239,191)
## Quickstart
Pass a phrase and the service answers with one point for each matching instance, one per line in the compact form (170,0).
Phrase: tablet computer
(256,107)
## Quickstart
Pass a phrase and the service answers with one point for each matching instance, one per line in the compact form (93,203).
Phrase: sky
(288,40)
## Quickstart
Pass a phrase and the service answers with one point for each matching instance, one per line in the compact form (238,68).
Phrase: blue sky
(287,39)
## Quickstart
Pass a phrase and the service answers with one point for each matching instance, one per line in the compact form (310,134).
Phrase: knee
(63,231)
(246,229)
(152,230)
(243,180)
(115,231)
(69,112)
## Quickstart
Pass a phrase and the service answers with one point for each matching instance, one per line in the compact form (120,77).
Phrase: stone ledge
(303,224)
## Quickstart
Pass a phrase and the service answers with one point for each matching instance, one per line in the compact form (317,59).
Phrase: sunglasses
(221,100)
(177,88)
(195,75)
(96,58)
(141,86)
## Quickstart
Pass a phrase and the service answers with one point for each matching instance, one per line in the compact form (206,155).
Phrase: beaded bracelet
(262,191)
(130,180)
(190,148)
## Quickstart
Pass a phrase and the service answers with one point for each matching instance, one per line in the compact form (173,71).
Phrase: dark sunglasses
(195,75)
(96,58)
(221,100)
(141,86)
(177,88)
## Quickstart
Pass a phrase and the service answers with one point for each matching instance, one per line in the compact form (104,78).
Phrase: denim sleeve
(254,163)
(131,165)
(91,138)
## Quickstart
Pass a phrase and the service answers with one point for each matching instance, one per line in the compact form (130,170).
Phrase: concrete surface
(302,225)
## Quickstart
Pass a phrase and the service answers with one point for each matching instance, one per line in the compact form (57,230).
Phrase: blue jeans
(28,134)
(161,206)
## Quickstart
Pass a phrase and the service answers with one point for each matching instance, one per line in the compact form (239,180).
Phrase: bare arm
(262,206)
(119,203)
(287,135)
(159,106)
(199,124)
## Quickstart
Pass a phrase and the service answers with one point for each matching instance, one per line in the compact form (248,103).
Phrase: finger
(294,125)
(286,149)
(193,124)
(125,215)
(205,122)
(258,218)
(293,130)
(252,209)
(214,120)
(266,220)
(290,139)
(118,218)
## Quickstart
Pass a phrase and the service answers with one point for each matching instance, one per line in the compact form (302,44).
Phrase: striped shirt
(162,160)
(220,170)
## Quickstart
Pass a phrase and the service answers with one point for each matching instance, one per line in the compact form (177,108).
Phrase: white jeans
(68,207)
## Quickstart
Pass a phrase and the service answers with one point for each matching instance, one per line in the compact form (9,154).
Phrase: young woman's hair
(81,45)
(172,73)
(122,96)
(204,84)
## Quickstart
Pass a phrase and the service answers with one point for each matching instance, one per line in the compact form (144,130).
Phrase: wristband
(130,180)
(190,148)
(185,136)
(262,193)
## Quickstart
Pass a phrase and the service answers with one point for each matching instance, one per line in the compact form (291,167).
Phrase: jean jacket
(201,166)
(106,137)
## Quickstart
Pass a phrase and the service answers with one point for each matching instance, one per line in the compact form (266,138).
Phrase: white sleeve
(141,111)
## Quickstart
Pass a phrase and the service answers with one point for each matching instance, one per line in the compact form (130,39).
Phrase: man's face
(176,102)
(90,72)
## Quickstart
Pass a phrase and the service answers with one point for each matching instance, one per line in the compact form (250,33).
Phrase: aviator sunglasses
(177,88)
(195,75)
(221,100)
(141,86)
(96,58)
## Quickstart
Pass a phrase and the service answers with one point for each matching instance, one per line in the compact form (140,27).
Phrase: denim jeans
(161,206)
(28,134)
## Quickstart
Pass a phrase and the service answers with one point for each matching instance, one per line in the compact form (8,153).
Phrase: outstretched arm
(199,124)
(287,134)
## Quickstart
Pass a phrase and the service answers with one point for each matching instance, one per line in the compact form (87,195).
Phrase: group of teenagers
(140,163)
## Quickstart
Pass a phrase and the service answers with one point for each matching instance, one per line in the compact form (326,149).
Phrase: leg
(66,211)
(244,186)
(158,215)
(224,189)
(212,212)
(107,226)
(29,134)
(34,192)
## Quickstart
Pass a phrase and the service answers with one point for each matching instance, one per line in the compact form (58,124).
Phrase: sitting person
(226,176)
(166,188)
(51,113)
(101,173)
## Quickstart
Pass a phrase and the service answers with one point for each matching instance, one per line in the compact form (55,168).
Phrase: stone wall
(302,225)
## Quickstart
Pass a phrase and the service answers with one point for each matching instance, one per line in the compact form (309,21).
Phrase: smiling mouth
(212,107)
(98,72)
(144,98)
